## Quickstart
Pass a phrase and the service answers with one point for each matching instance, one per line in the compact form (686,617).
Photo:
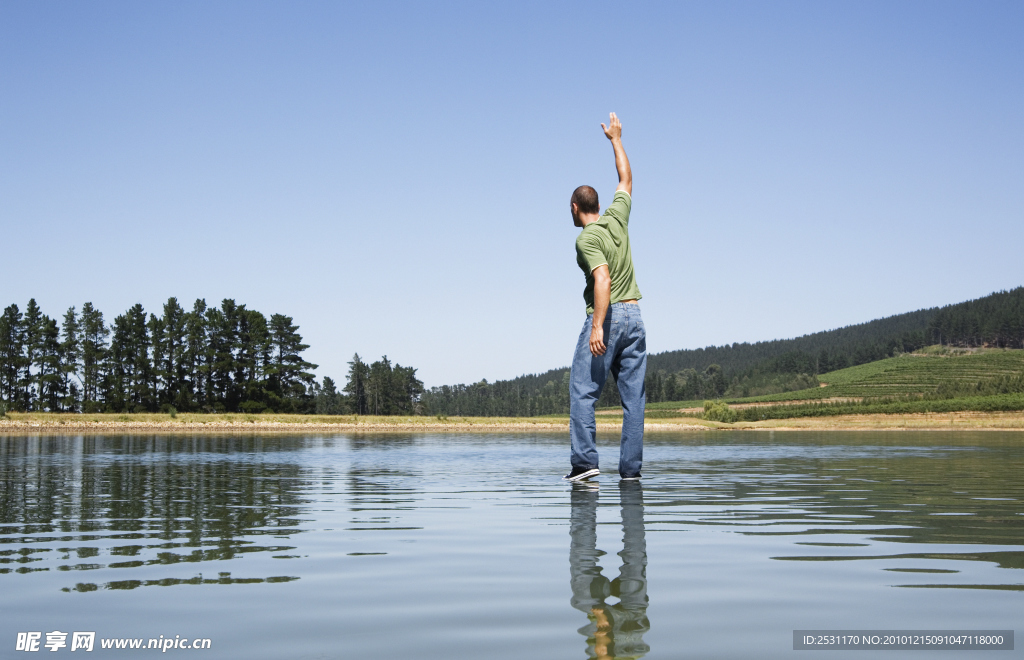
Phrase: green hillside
(921,373)
(934,379)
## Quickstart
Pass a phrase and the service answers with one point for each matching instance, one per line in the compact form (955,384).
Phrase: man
(613,338)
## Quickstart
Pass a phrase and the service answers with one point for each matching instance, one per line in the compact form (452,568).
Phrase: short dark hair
(585,199)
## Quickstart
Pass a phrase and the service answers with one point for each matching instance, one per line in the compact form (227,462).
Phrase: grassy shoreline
(193,423)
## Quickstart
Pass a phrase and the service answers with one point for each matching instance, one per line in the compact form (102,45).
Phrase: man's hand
(614,130)
(597,346)
(614,133)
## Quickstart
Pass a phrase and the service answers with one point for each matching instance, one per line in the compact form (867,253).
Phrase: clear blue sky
(396,176)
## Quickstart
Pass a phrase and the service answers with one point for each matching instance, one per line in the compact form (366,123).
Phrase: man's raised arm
(614,133)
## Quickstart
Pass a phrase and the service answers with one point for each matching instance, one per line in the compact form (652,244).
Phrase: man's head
(583,202)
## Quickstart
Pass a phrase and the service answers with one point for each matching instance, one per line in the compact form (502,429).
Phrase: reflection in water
(131,502)
(614,631)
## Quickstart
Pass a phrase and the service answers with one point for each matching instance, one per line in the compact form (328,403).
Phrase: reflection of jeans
(614,631)
(626,359)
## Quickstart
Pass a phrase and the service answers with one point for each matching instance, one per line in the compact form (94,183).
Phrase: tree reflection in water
(613,631)
(132,502)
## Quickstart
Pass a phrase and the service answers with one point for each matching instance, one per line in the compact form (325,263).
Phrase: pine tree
(12,349)
(142,367)
(70,356)
(48,375)
(129,364)
(406,390)
(222,328)
(195,363)
(157,376)
(290,375)
(94,351)
(116,390)
(378,387)
(33,339)
(356,386)
(254,354)
(174,347)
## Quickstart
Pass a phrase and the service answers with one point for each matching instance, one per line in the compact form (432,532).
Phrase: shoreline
(477,425)
(192,423)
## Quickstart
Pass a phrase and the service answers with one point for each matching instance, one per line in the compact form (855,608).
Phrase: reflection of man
(614,631)
(613,338)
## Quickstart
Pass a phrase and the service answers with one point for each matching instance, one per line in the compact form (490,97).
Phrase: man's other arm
(614,133)
(602,298)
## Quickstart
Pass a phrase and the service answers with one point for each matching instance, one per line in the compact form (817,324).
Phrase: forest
(996,320)
(210,359)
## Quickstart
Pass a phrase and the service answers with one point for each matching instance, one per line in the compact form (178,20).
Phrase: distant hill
(853,344)
(759,368)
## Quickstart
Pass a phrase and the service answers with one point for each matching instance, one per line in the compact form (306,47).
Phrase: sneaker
(580,474)
(635,477)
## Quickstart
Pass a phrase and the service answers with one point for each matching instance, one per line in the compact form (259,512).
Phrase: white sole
(584,476)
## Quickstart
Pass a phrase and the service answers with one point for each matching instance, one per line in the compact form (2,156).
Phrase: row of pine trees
(209,359)
(379,388)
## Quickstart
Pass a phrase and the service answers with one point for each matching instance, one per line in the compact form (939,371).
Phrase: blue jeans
(626,359)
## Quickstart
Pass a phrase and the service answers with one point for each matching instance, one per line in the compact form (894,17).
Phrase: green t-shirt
(606,241)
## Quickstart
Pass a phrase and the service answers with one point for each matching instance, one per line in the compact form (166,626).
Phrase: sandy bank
(34,423)
(22,423)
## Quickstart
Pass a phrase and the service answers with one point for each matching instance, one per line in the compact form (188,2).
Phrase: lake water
(469,546)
